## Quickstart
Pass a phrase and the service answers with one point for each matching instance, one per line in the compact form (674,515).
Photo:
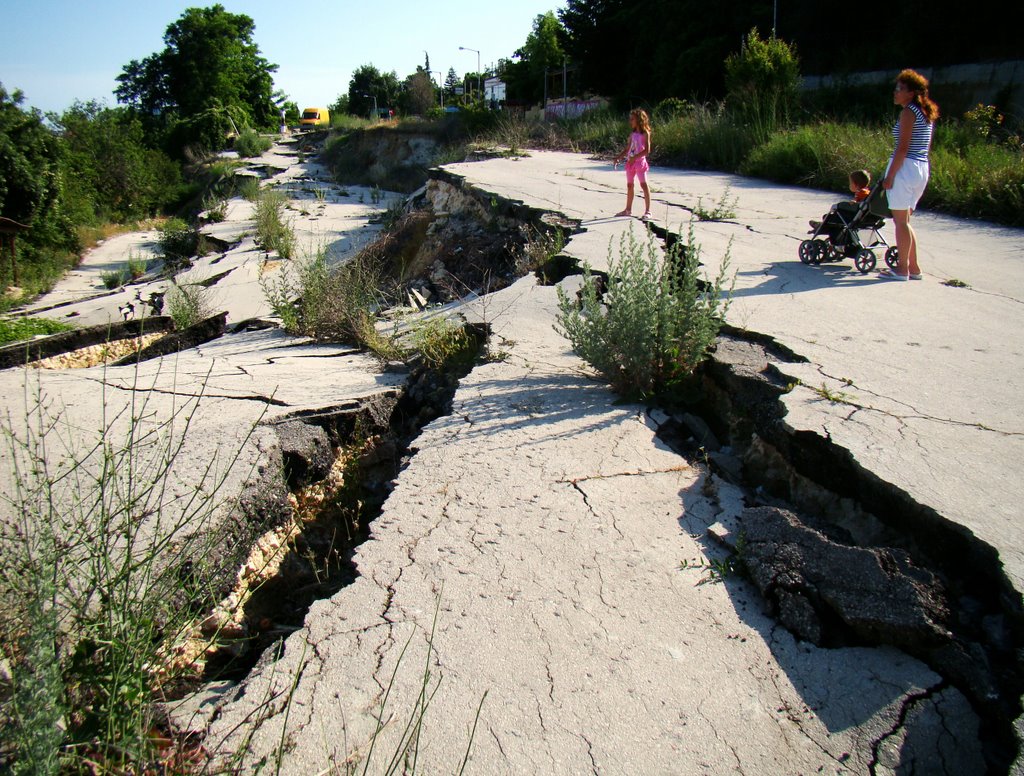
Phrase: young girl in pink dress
(636,152)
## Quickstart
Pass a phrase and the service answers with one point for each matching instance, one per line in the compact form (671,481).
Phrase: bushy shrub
(179,241)
(250,143)
(136,267)
(655,321)
(762,83)
(440,341)
(337,304)
(114,278)
(187,304)
(705,137)
(273,231)
(981,180)
(248,187)
(670,108)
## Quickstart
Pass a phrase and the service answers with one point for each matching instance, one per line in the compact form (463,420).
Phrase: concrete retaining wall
(956,88)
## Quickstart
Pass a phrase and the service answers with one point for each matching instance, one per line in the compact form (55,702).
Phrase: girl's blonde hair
(643,121)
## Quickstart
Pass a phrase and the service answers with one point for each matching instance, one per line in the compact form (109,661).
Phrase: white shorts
(909,184)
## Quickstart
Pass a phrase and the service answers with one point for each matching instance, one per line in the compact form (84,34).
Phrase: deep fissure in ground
(957,612)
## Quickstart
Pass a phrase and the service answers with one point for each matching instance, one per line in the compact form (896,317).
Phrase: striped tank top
(920,139)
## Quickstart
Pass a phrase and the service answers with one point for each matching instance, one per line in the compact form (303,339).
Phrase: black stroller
(838,236)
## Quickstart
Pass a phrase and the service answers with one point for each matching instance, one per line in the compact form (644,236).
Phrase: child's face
(854,187)
(632,121)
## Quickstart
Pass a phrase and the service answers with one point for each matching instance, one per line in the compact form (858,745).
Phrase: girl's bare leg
(629,199)
(647,196)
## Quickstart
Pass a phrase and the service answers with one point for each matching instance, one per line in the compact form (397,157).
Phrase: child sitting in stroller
(860,182)
(851,228)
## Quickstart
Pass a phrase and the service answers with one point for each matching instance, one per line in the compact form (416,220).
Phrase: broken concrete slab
(544,523)
(914,411)
(878,594)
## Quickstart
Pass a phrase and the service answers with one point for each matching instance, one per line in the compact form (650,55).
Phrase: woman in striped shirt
(907,173)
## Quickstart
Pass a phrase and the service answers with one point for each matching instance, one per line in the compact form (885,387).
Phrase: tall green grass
(819,155)
(103,570)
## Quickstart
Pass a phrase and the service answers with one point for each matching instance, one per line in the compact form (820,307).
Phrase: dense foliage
(635,51)
(59,174)
(209,79)
(369,88)
(524,75)
(109,172)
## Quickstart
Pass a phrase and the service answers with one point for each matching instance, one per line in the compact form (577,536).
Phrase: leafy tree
(418,95)
(644,51)
(368,82)
(451,81)
(109,174)
(30,173)
(339,106)
(209,75)
(541,52)
(762,82)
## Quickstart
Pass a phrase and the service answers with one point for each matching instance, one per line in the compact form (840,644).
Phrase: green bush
(17,329)
(762,84)
(248,187)
(273,232)
(705,137)
(187,304)
(114,278)
(136,267)
(655,322)
(250,143)
(179,241)
(337,304)
(820,155)
(441,342)
(981,180)
(670,108)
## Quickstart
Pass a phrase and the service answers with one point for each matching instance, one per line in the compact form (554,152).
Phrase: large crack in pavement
(545,470)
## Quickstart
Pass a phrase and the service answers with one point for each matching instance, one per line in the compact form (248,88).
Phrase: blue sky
(57,51)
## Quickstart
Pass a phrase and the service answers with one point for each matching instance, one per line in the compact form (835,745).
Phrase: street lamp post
(376,115)
(478,89)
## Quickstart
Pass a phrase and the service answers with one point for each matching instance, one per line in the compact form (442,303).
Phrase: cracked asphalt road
(541,561)
(534,563)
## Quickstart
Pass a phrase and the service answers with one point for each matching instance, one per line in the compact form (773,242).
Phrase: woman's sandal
(887,274)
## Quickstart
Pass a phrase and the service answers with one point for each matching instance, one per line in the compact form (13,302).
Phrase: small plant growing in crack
(719,569)
(955,283)
(723,210)
(836,397)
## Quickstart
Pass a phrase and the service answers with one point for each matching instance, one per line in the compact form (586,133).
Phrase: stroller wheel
(865,260)
(806,251)
(892,256)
